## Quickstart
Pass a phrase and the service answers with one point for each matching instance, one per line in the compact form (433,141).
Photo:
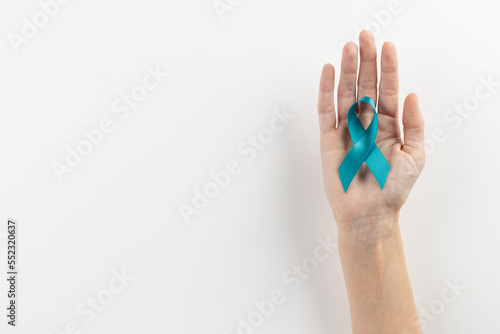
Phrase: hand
(364,200)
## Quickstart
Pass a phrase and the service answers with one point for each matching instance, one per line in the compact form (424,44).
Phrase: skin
(367,217)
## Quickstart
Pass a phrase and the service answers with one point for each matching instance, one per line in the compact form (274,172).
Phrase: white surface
(119,209)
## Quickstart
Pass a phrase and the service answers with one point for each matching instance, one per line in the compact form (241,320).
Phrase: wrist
(369,230)
(371,244)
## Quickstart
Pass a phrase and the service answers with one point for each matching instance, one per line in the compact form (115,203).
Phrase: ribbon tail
(378,165)
(354,160)
(347,171)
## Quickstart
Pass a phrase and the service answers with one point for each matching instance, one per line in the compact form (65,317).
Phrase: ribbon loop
(364,149)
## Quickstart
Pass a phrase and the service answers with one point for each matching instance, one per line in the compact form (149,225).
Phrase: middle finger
(367,80)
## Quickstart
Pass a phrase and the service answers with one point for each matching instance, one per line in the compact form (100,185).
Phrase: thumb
(413,128)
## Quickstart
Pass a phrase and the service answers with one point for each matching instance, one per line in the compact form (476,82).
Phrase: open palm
(364,197)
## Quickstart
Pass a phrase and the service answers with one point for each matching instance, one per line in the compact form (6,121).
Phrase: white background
(120,208)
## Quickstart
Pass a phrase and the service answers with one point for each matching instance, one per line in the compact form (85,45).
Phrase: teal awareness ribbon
(364,149)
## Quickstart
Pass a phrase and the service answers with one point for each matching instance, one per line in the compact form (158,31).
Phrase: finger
(346,95)
(326,108)
(389,91)
(413,127)
(367,81)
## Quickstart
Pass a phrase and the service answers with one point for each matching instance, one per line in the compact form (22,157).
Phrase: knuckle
(392,92)
(347,93)
(368,85)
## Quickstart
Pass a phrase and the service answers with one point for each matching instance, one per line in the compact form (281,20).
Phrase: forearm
(378,286)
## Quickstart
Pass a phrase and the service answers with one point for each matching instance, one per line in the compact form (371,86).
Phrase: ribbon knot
(364,149)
